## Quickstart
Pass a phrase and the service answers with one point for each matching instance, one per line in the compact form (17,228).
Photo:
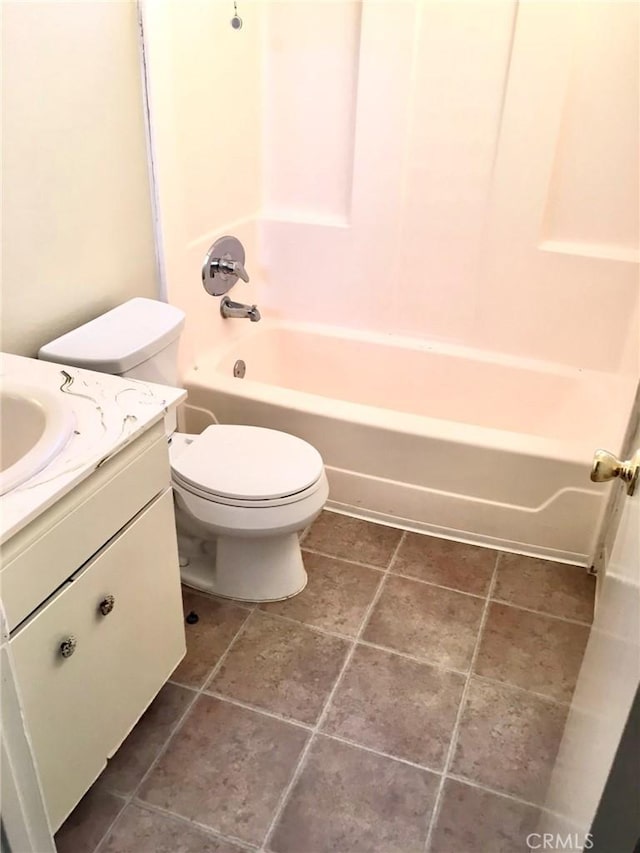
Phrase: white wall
(77,232)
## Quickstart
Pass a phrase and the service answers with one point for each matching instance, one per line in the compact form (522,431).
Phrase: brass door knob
(106,605)
(68,646)
(607,466)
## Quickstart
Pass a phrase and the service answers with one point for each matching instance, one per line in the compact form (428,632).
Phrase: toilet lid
(248,463)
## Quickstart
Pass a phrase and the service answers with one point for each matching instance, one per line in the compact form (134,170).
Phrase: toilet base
(266,568)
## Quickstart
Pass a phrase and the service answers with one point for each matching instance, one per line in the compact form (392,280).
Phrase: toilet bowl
(242,495)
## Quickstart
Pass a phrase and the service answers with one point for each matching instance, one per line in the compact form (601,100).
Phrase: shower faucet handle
(227,266)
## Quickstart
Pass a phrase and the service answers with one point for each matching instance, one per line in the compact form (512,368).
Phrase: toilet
(242,494)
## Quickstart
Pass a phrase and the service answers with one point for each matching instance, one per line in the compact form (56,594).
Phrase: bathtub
(463,444)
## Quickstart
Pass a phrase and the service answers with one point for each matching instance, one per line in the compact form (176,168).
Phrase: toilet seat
(247,466)
(211,497)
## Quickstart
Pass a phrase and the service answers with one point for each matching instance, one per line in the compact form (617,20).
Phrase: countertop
(109,411)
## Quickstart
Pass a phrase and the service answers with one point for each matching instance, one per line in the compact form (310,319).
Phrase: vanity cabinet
(90,658)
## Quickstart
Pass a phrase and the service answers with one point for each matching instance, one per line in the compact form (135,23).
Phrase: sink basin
(34,427)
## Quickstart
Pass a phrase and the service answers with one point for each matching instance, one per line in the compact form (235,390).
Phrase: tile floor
(410,700)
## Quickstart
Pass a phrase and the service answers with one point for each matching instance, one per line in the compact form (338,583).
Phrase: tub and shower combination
(463,444)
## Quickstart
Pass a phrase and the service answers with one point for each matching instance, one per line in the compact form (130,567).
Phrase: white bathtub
(463,444)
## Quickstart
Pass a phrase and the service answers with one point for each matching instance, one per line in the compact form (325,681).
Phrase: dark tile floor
(412,698)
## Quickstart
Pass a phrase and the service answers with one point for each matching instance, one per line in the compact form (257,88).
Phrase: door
(591,756)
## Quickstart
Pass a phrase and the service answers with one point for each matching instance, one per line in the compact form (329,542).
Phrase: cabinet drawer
(40,558)
(78,709)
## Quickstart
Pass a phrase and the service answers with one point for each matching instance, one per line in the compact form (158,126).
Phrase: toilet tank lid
(120,339)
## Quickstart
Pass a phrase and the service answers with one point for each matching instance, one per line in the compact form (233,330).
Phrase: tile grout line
(373,751)
(315,628)
(437,803)
(258,710)
(404,575)
(541,612)
(197,693)
(316,552)
(216,669)
(463,780)
(284,797)
(439,585)
(367,644)
(509,685)
(352,638)
(202,827)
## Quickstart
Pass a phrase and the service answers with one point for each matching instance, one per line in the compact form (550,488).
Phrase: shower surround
(476,183)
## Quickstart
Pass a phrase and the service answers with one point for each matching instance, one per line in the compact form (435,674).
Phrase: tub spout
(228,309)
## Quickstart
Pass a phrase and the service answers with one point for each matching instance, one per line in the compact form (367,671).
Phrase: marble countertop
(109,413)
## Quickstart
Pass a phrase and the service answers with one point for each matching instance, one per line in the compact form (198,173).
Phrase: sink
(35,425)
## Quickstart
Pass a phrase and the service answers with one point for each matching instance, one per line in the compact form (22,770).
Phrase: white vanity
(89,581)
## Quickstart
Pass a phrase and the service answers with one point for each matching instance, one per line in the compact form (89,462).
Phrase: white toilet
(242,493)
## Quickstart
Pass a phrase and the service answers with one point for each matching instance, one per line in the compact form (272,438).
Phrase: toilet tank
(138,339)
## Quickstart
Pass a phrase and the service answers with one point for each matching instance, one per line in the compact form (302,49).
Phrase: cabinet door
(78,709)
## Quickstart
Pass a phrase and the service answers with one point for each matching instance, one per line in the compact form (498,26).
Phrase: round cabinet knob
(106,605)
(68,646)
